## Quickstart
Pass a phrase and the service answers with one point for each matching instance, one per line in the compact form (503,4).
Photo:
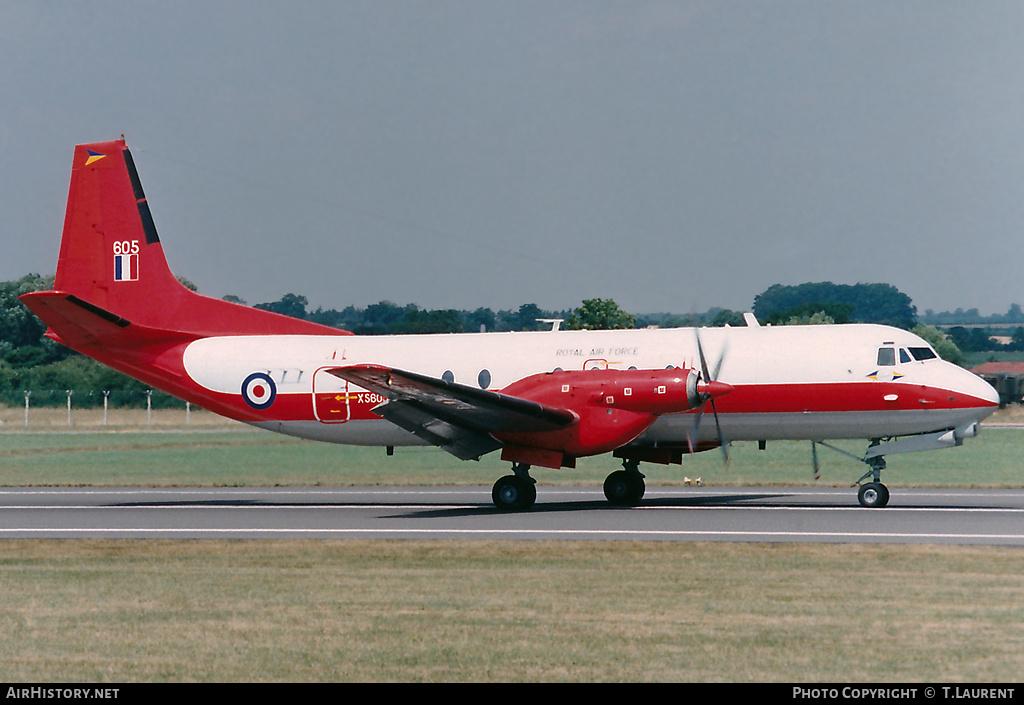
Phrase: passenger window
(886,357)
(904,356)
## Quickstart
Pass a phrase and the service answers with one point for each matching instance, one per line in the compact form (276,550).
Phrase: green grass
(249,457)
(110,611)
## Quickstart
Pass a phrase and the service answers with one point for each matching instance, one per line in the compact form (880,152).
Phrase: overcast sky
(673,156)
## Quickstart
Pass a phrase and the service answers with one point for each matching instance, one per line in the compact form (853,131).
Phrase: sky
(673,156)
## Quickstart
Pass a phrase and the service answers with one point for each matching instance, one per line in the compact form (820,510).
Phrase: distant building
(1006,377)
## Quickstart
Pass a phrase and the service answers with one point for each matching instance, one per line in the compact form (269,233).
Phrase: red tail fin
(112,264)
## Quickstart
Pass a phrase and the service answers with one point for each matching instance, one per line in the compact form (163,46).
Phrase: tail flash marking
(93,157)
(126,268)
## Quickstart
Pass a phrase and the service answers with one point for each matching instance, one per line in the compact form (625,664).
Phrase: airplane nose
(985,393)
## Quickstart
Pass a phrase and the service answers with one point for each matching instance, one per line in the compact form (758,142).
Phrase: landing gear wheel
(512,493)
(624,489)
(873,495)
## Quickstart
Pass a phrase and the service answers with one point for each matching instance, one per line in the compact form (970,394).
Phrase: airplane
(542,399)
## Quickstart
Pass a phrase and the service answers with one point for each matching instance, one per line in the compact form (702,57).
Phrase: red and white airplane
(541,398)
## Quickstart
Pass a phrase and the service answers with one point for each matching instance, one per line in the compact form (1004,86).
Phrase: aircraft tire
(873,495)
(624,489)
(512,494)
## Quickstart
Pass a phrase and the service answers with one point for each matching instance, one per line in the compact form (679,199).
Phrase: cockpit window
(904,356)
(886,357)
(923,354)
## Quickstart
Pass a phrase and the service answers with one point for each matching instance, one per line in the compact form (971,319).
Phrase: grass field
(213,451)
(507,611)
(230,611)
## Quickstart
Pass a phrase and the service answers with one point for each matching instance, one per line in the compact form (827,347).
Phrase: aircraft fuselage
(789,382)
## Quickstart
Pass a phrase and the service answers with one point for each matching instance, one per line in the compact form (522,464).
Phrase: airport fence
(23,406)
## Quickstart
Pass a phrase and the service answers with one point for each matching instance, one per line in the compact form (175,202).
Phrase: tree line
(30,361)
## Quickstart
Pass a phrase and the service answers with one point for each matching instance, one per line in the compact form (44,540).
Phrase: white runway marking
(508,533)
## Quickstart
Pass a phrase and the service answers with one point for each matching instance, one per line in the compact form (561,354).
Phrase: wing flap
(462,442)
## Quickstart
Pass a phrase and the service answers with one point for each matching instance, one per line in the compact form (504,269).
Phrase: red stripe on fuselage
(744,399)
(843,396)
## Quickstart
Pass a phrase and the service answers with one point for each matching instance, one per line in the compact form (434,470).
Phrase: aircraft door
(331,398)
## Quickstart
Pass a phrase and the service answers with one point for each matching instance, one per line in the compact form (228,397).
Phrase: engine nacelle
(612,407)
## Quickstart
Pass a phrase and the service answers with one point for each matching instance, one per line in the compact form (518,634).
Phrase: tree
(971,339)
(289,305)
(818,318)
(523,319)
(440,321)
(480,319)
(599,314)
(21,334)
(727,317)
(819,312)
(872,303)
(382,318)
(1018,338)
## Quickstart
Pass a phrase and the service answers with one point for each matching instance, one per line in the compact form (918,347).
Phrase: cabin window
(923,354)
(448,376)
(886,357)
(484,379)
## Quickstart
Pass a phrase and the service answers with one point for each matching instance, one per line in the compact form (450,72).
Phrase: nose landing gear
(873,495)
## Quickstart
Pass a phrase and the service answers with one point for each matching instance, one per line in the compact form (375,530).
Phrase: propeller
(710,386)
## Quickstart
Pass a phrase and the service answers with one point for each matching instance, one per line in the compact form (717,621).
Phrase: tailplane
(113,280)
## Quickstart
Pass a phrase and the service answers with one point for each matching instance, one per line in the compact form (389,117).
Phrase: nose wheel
(873,495)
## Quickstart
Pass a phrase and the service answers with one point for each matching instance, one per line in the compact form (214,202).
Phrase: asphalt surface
(766,514)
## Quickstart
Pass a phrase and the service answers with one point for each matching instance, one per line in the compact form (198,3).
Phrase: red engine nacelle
(612,407)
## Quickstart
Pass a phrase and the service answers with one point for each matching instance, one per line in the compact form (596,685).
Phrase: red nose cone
(714,390)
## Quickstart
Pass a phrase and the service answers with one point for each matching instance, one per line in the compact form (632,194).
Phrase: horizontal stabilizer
(82,323)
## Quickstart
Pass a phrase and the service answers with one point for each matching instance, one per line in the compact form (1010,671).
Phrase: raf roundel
(259,390)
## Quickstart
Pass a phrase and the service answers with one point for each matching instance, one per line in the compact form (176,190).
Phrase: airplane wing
(455,417)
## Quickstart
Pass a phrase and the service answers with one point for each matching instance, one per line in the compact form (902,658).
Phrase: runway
(766,514)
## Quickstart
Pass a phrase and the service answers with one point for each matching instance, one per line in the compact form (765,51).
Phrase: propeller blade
(712,388)
(703,361)
(722,443)
(691,434)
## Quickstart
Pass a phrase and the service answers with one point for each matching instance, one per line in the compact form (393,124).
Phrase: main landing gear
(625,487)
(517,491)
